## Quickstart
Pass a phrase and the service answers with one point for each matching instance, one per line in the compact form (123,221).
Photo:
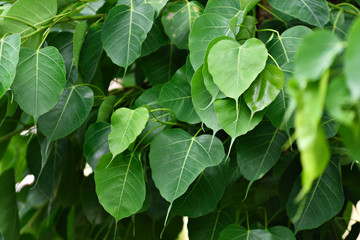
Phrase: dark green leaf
(79,38)
(281,233)
(106,109)
(155,39)
(236,232)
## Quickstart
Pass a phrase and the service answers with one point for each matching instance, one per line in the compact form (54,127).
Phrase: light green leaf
(206,28)
(350,134)
(178,19)
(70,112)
(157,4)
(201,99)
(9,218)
(35,12)
(264,89)
(79,38)
(120,185)
(126,125)
(124,31)
(236,232)
(9,57)
(177,158)
(227,9)
(351,60)
(324,201)
(316,54)
(314,12)
(234,67)
(39,81)
(176,95)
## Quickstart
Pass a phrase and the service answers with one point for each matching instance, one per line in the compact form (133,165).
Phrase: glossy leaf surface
(236,232)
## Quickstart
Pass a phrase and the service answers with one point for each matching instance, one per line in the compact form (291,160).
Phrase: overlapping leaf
(236,232)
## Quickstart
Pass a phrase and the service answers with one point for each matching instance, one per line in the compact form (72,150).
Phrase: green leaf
(323,202)
(35,12)
(120,185)
(229,8)
(259,150)
(157,4)
(202,102)
(79,38)
(206,28)
(281,233)
(210,226)
(9,57)
(236,232)
(126,125)
(351,60)
(313,12)
(351,137)
(96,142)
(178,19)
(316,54)
(234,67)
(106,108)
(39,81)
(9,218)
(232,124)
(155,39)
(70,112)
(124,31)
(176,95)
(264,89)
(177,158)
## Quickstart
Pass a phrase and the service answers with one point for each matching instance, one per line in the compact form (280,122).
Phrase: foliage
(243,115)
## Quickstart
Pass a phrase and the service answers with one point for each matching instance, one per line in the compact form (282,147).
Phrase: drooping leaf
(351,60)
(39,81)
(96,142)
(126,125)
(206,28)
(124,31)
(106,109)
(9,57)
(236,232)
(324,200)
(35,12)
(264,89)
(315,54)
(313,12)
(176,95)
(155,39)
(79,38)
(243,64)
(9,218)
(120,185)
(178,19)
(177,158)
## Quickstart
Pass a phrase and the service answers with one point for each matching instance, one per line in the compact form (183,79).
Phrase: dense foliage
(243,115)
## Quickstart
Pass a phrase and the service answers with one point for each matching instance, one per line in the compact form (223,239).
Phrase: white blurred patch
(87,170)
(28,180)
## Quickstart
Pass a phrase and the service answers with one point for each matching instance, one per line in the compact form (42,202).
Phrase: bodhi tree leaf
(124,31)
(242,65)
(70,112)
(177,158)
(9,57)
(281,233)
(236,232)
(264,89)
(96,142)
(106,108)
(126,125)
(178,19)
(157,4)
(206,28)
(315,54)
(314,12)
(39,81)
(324,200)
(79,38)
(351,60)
(155,39)
(227,9)
(120,185)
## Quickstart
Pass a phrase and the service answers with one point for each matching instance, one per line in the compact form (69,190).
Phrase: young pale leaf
(259,150)
(126,125)
(202,102)
(124,31)
(264,89)
(234,67)
(177,158)
(316,54)
(324,201)
(178,19)
(9,57)
(39,81)
(70,112)
(96,142)
(176,95)
(120,185)
(314,12)
(206,28)
(9,218)
(236,232)
(352,60)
